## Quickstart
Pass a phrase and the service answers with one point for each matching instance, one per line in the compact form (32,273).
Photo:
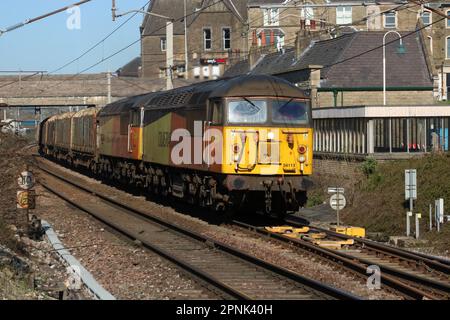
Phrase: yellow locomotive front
(266,149)
(267,136)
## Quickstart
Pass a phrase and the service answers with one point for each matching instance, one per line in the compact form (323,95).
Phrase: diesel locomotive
(231,144)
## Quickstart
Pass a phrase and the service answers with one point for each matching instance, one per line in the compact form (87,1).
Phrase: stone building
(348,70)
(277,23)
(345,78)
(214,31)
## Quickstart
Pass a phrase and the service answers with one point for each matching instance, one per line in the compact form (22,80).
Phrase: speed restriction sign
(338,201)
(26,180)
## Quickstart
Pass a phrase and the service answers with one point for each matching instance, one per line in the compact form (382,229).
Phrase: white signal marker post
(408,223)
(411,187)
(431,219)
(439,212)
(410,194)
(418,216)
(337,201)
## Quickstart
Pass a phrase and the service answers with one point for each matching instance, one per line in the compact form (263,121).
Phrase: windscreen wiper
(249,101)
(284,105)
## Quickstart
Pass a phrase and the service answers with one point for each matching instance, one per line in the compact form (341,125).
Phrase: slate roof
(131,69)
(346,63)
(175,9)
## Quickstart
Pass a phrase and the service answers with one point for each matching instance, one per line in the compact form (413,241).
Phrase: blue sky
(48,44)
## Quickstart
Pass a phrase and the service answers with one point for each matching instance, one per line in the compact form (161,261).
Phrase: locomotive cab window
(215,115)
(247,111)
(135,118)
(289,111)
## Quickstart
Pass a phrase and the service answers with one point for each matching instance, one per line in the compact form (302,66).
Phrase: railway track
(416,276)
(227,272)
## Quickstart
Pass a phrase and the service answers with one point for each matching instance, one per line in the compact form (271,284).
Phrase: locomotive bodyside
(220,144)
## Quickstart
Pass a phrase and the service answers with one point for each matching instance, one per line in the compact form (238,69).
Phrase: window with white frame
(390,20)
(448,19)
(307,13)
(426,18)
(163,43)
(197,72)
(206,72)
(216,72)
(344,15)
(207,39)
(226,36)
(271,17)
(447,46)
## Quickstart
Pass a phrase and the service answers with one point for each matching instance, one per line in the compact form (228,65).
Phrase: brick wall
(347,168)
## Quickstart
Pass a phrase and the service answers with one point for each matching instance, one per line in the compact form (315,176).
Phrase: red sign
(213,61)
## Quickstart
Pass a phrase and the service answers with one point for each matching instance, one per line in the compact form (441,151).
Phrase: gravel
(305,264)
(123,268)
(28,269)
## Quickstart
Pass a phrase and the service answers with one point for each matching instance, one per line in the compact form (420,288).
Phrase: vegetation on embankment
(379,202)
(376,194)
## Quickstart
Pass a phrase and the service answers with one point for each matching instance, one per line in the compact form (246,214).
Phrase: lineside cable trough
(75,266)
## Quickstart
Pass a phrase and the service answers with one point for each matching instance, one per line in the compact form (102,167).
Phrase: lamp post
(186,55)
(169,40)
(401,50)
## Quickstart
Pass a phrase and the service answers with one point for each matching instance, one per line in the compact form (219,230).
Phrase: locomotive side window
(216,112)
(247,111)
(135,118)
(124,122)
(289,111)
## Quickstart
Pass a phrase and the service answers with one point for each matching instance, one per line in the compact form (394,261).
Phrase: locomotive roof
(196,95)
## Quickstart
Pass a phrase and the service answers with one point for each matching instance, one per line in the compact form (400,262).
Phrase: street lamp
(169,40)
(401,50)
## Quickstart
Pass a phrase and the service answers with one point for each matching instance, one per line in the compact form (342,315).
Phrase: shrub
(369,166)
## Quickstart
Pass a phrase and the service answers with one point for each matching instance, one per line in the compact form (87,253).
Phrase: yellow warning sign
(25,200)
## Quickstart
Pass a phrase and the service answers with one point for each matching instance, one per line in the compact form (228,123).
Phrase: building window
(271,17)
(163,42)
(207,39)
(216,72)
(390,20)
(226,35)
(197,72)
(447,51)
(343,15)
(448,19)
(206,72)
(426,18)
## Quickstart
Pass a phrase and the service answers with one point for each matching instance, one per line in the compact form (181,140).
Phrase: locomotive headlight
(271,135)
(302,159)
(302,149)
